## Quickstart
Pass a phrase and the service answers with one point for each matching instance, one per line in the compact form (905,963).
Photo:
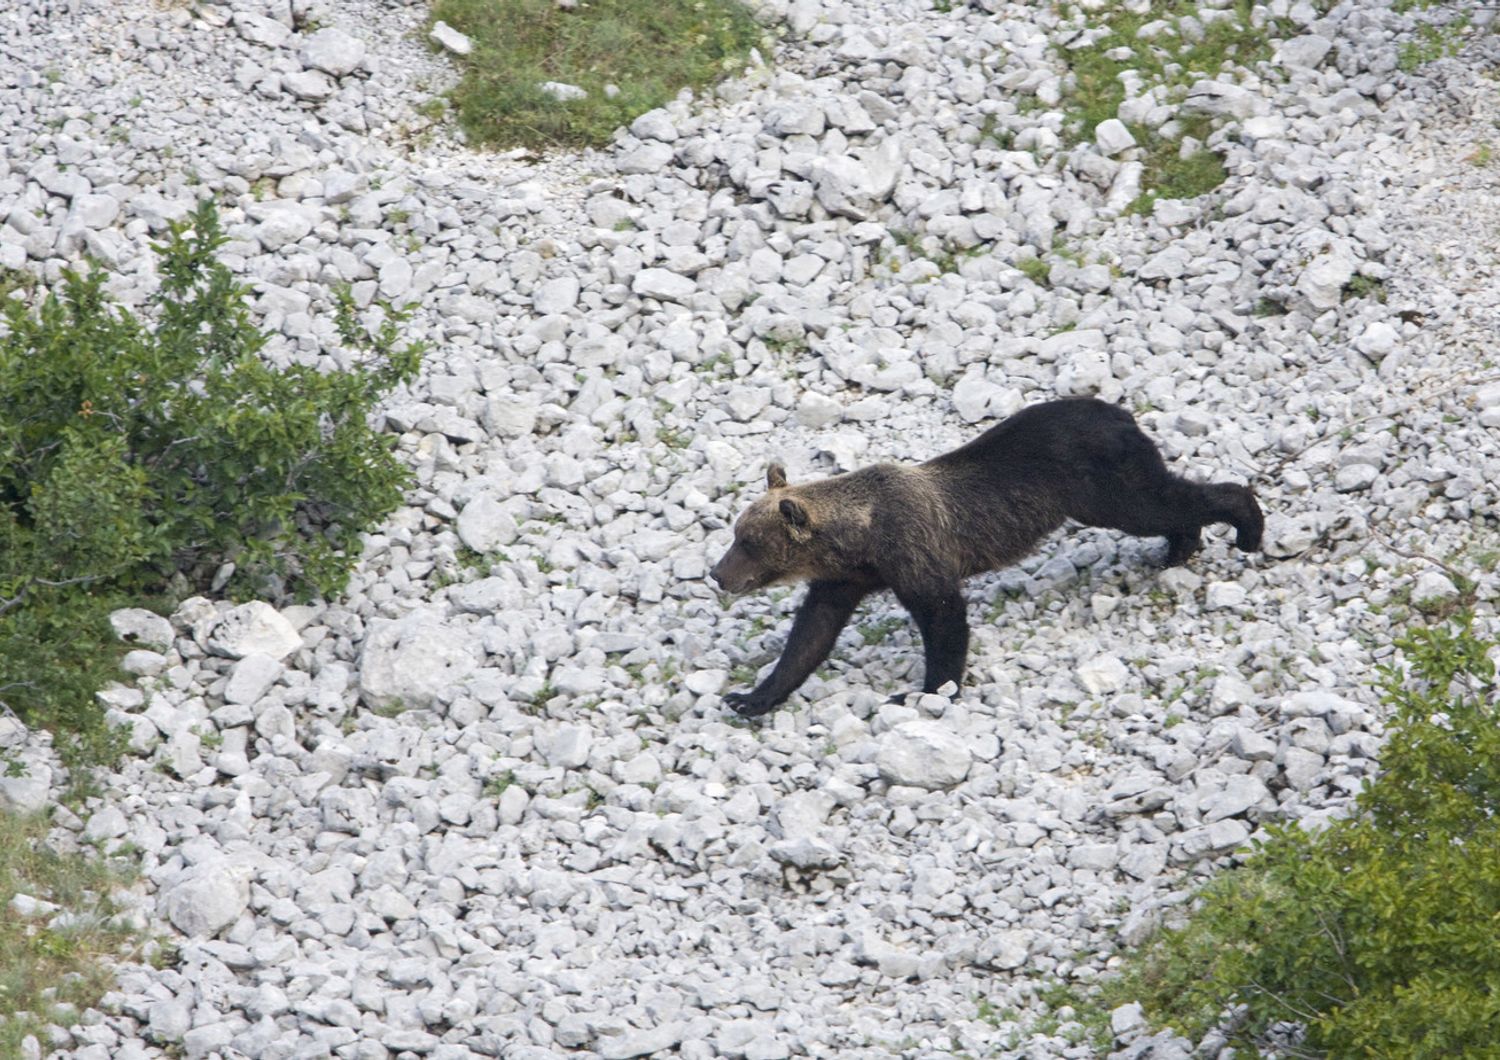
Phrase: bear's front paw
(748,704)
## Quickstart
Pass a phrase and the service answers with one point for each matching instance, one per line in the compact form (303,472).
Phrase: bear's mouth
(732,586)
(739,588)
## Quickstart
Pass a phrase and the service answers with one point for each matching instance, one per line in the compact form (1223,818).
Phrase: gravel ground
(490,803)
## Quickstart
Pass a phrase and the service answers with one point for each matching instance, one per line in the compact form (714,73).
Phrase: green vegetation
(875,632)
(1169,175)
(1185,51)
(743,674)
(137,461)
(1365,287)
(15,283)
(1036,270)
(1433,43)
(1378,933)
(630,56)
(54,963)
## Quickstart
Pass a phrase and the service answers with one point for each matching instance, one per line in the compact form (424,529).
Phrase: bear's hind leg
(942,618)
(1237,506)
(1195,507)
(1125,485)
(1172,507)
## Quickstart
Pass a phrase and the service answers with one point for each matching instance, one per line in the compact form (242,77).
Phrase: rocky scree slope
(489,803)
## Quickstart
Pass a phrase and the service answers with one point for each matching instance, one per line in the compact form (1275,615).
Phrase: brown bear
(919,531)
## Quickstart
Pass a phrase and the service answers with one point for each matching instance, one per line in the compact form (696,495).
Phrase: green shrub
(649,50)
(135,459)
(1378,934)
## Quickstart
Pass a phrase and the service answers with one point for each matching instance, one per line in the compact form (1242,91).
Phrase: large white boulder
(410,662)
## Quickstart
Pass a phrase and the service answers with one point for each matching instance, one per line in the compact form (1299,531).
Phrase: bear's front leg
(823,613)
(943,620)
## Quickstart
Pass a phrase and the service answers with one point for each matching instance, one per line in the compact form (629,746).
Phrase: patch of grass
(1433,43)
(743,674)
(992,132)
(648,50)
(1481,155)
(1001,600)
(393,709)
(1169,175)
(1036,270)
(1077,1015)
(1062,249)
(61,957)
(875,632)
(1365,287)
(1171,58)
(16,283)
(1174,58)
(786,347)
(434,109)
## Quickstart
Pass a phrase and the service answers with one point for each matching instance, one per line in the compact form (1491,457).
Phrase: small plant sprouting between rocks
(627,57)
(1377,934)
(138,458)
(1432,43)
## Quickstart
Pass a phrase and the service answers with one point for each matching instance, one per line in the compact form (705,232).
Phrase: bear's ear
(775,477)
(794,513)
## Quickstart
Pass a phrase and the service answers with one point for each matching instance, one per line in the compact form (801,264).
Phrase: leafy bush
(136,459)
(1378,934)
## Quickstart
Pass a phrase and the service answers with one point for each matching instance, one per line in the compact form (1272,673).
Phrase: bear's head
(772,540)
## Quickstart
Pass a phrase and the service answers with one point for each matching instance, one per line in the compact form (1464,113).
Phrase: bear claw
(746,705)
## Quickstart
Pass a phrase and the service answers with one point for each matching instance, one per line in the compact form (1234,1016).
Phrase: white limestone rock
(1113,137)
(333,51)
(206,898)
(663,285)
(410,662)
(136,625)
(451,39)
(252,677)
(484,525)
(924,754)
(255,628)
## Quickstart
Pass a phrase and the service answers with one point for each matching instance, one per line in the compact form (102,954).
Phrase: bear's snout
(732,574)
(719,575)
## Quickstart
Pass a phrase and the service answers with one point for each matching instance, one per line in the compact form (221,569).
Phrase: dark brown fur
(921,530)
